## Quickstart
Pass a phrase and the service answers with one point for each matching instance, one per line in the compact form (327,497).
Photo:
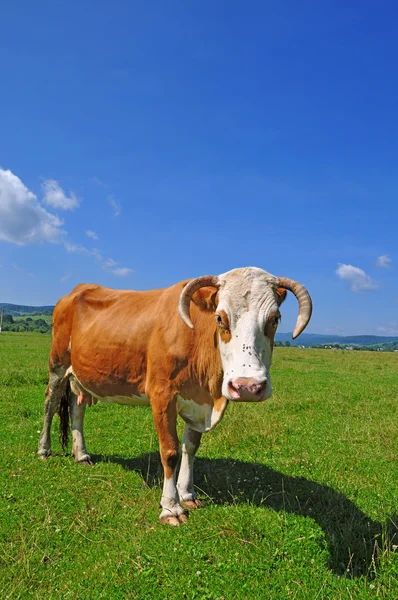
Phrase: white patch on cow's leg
(172,512)
(190,445)
(56,387)
(78,445)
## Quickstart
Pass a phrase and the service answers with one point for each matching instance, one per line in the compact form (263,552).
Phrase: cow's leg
(55,390)
(166,426)
(190,445)
(78,444)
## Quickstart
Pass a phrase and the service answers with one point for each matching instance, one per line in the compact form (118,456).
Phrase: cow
(185,350)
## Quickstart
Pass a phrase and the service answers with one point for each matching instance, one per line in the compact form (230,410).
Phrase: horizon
(289,333)
(197,140)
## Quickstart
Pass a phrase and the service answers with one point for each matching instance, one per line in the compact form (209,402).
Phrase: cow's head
(246,304)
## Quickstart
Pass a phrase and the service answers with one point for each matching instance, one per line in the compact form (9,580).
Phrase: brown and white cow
(184,350)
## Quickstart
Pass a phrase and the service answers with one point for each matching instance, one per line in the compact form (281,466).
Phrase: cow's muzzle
(247,389)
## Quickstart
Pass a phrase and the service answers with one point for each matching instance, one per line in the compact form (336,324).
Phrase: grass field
(301,491)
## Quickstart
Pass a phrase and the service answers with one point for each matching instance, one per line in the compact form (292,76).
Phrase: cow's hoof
(85,460)
(191,504)
(174,521)
(183,518)
(44,454)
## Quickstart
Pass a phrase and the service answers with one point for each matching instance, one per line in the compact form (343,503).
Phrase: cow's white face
(247,317)
(246,304)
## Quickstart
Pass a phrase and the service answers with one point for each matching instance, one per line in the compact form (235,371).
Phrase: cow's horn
(187,293)
(304,300)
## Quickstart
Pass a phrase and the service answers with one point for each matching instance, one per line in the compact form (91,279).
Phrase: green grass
(301,491)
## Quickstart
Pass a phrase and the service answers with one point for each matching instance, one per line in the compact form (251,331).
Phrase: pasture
(301,491)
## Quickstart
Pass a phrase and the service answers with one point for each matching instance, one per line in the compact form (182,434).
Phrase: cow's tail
(64,416)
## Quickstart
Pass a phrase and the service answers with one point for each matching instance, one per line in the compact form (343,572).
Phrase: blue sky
(191,138)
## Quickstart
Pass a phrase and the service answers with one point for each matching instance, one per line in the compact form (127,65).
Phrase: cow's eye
(220,322)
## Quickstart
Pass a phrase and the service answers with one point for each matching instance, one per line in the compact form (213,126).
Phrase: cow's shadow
(355,541)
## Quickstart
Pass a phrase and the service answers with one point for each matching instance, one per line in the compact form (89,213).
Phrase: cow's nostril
(235,386)
(260,387)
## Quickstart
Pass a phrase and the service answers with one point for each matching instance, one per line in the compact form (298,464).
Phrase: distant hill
(305,339)
(317,339)
(17,310)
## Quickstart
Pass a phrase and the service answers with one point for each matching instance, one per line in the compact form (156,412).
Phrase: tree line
(25,324)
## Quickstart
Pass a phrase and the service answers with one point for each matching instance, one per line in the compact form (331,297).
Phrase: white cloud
(359,280)
(91,234)
(17,268)
(109,263)
(115,205)
(55,196)
(22,270)
(75,248)
(122,271)
(383,262)
(97,181)
(64,278)
(72,248)
(22,219)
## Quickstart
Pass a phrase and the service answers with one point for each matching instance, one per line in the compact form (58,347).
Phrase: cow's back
(62,322)
(103,335)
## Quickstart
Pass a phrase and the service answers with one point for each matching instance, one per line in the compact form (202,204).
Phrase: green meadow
(300,492)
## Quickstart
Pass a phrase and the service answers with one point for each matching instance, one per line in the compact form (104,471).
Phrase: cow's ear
(206,299)
(281,295)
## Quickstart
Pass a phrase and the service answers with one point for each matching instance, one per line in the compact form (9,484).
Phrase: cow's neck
(206,362)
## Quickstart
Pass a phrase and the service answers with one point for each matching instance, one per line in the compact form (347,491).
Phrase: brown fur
(124,343)
(127,343)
